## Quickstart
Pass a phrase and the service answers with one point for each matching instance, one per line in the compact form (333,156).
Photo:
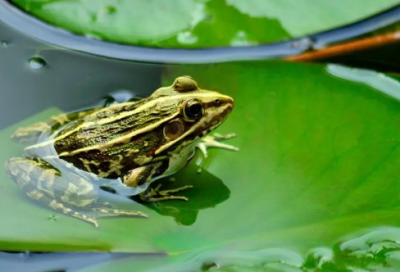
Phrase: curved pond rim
(23,22)
(64,261)
(348,47)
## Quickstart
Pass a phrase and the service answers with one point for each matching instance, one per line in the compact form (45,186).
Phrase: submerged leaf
(317,168)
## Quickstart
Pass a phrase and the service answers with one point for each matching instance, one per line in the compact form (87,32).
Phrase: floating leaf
(199,23)
(317,167)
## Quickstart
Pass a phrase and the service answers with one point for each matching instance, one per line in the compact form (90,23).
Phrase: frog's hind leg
(28,135)
(36,178)
(61,207)
(68,194)
(147,173)
(110,212)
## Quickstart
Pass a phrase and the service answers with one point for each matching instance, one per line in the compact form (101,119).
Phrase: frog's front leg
(147,174)
(213,141)
(67,193)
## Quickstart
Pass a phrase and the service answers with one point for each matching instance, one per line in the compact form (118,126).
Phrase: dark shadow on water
(17,261)
(208,192)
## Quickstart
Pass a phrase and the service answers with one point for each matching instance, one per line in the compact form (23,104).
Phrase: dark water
(54,262)
(36,76)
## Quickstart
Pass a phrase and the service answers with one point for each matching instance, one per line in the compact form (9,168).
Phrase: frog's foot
(213,141)
(106,209)
(60,207)
(109,212)
(155,194)
(87,216)
(29,134)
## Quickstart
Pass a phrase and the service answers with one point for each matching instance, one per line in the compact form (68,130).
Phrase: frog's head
(192,112)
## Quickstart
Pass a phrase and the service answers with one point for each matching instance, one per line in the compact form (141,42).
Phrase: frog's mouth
(217,121)
(220,114)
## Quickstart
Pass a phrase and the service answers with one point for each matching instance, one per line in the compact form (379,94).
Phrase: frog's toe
(108,212)
(154,195)
(93,221)
(168,197)
(214,141)
(28,135)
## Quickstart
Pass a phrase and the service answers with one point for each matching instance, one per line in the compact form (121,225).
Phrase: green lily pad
(316,181)
(199,23)
(317,168)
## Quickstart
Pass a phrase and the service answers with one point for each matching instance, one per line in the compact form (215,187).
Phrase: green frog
(129,145)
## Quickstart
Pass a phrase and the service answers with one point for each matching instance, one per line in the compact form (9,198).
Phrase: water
(54,262)
(5,43)
(68,81)
(368,250)
(62,72)
(37,63)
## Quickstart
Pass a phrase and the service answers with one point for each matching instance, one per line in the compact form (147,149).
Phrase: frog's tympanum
(135,143)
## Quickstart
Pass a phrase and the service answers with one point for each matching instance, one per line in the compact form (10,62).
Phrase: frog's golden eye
(173,129)
(193,109)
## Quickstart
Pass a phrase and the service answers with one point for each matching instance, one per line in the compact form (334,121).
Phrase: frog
(130,144)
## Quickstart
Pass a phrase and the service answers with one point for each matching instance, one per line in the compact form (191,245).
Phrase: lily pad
(199,23)
(317,167)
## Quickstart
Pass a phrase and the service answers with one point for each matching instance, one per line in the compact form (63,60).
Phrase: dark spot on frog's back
(151,153)
(104,166)
(93,168)
(160,170)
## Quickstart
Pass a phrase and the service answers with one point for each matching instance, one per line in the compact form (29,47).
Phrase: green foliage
(199,23)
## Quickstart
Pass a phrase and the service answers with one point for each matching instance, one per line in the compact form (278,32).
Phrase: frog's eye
(193,109)
(173,129)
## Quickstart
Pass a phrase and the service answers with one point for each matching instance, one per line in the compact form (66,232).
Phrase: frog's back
(112,140)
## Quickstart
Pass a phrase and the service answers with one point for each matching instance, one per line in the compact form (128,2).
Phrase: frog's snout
(232,102)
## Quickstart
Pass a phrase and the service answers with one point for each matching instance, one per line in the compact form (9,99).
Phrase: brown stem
(348,47)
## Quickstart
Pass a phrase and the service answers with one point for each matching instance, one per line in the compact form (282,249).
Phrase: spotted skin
(134,142)
(29,135)
(71,195)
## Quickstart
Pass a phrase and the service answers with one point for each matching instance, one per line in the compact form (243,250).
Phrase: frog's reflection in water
(208,191)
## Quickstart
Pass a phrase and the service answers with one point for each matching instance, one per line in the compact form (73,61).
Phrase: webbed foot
(109,212)
(214,141)
(155,194)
